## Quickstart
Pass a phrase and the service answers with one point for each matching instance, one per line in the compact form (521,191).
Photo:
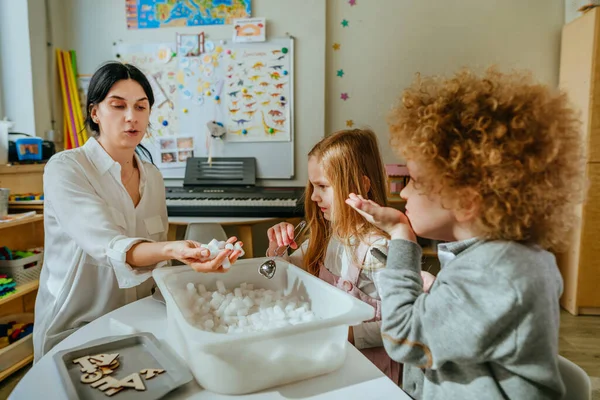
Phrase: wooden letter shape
(91,378)
(151,372)
(86,365)
(132,381)
(106,370)
(112,391)
(104,360)
(105,383)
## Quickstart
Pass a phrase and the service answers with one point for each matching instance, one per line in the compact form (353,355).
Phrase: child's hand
(390,220)
(280,235)
(428,280)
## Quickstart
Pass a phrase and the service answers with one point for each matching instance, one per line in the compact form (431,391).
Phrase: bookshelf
(22,233)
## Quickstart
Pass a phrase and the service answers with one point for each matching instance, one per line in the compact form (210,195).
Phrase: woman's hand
(189,252)
(390,220)
(279,235)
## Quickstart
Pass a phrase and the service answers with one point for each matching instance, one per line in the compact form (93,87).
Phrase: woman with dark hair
(105,214)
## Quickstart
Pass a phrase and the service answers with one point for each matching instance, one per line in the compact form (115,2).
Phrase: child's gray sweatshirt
(488,329)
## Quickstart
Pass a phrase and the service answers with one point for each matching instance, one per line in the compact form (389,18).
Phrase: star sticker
(345,23)
(344,96)
(336,46)
(352,2)
(349,123)
(340,73)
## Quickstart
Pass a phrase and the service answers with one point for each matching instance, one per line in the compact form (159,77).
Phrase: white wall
(93,26)
(40,62)
(15,64)
(383,47)
(431,37)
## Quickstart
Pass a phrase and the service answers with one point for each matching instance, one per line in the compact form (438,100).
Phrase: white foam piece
(213,243)
(242,309)
(226,263)
(214,251)
(209,324)
(248,302)
(229,246)
(222,244)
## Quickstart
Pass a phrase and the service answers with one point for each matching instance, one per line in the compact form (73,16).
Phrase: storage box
(29,148)
(239,363)
(20,349)
(23,270)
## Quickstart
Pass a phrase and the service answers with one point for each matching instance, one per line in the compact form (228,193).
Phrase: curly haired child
(497,170)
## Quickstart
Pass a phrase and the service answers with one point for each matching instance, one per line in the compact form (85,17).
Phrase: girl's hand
(279,235)
(190,253)
(390,220)
(428,280)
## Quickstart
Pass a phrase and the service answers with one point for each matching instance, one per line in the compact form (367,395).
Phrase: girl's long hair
(347,157)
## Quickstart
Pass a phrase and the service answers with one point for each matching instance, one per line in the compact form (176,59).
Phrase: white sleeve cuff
(127,276)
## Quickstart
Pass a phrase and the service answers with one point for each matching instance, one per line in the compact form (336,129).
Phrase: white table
(357,379)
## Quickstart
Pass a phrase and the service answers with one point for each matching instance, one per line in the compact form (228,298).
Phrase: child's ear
(366,183)
(469,206)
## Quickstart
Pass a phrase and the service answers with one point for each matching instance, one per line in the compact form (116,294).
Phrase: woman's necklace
(131,175)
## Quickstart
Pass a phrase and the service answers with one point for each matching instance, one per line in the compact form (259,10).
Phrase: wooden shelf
(31,207)
(22,221)
(21,168)
(21,290)
(15,367)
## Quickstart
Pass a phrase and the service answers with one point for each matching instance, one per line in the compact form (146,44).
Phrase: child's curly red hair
(515,144)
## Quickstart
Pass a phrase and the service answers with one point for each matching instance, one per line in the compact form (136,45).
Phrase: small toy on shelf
(14,331)
(25,197)
(7,286)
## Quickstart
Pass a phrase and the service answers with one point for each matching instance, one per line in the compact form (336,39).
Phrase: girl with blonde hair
(340,240)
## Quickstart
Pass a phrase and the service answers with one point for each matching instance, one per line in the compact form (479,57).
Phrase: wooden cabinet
(580,78)
(21,234)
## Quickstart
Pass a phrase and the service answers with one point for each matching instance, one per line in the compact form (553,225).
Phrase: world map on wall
(142,14)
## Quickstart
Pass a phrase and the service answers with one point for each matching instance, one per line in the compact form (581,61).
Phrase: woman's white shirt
(90,223)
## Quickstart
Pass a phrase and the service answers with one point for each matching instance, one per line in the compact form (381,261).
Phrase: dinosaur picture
(259,94)
(241,121)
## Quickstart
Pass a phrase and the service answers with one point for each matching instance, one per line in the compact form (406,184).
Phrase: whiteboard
(246,87)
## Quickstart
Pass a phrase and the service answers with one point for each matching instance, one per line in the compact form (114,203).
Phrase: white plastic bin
(23,270)
(239,363)
(19,350)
